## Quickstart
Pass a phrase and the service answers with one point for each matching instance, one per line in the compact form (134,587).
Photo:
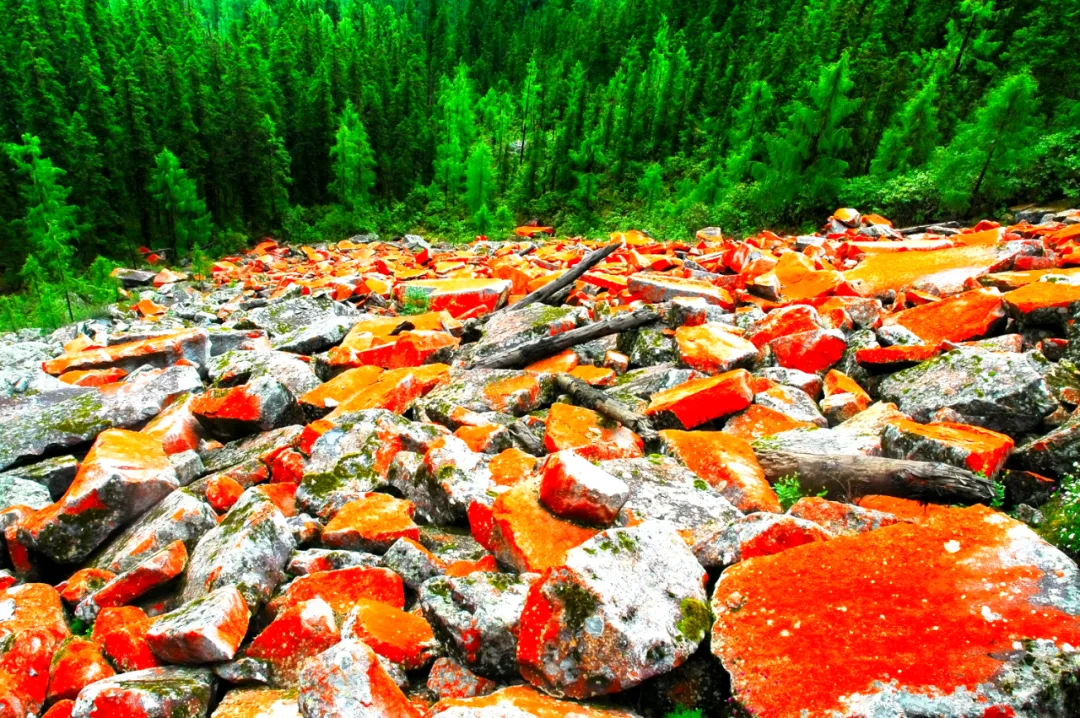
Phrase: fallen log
(599,401)
(526,440)
(547,346)
(848,477)
(568,277)
(920,228)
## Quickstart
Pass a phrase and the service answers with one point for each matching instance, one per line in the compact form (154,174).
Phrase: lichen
(578,604)
(696,619)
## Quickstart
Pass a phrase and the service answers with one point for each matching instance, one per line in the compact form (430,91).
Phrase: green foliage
(1061,525)
(311,121)
(353,162)
(999,495)
(789,490)
(685,713)
(415,301)
(183,212)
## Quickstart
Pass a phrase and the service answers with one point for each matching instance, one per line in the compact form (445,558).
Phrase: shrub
(1061,524)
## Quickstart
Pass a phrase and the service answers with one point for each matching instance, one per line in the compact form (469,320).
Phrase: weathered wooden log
(525,439)
(568,277)
(920,228)
(602,403)
(547,346)
(846,476)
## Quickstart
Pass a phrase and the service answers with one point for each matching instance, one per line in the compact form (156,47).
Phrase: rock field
(781,476)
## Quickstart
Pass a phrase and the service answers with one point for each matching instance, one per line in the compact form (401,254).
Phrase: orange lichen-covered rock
(528,536)
(408,349)
(206,630)
(163,566)
(93,377)
(258,703)
(348,681)
(192,345)
(121,634)
(697,401)
(60,709)
(839,518)
(758,421)
(511,466)
(84,583)
(222,492)
(713,348)
(394,390)
(566,360)
(124,474)
(782,322)
(798,279)
(947,269)
(76,664)
(457,296)
(297,633)
(589,434)
(885,359)
(727,463)
(1042,301)
(923,607)
(177,428)
(371,523)
(262,404)
(839,383)
(970,315)
(449,679)
(812,352)
(401,637)
(166,692)
(594,375)
(524,701)
(342,588)
(485,438)
(963,445)
(344,386)
(32,627)
(575,489)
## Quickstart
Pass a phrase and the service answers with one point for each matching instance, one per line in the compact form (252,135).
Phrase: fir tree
(183,212)
(651,185)
(353,162)
(50,226)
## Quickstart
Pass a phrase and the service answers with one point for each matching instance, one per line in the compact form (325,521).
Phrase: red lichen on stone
(589,434)
(758,421)
(527,535)
(342,589)
(955,319)
(373,522)
(404,638)
(77,664)
(121,633)
(93,377)
(726,462)
(700,400)
(931,607)
(511,466)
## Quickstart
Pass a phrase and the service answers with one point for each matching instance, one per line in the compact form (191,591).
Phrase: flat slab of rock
(520,702)
(72,417)
(206,630)
(168,692)
(124,474)
(967,613)
(192,345)
(348,681)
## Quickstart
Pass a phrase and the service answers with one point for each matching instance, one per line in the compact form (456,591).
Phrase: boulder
(698,401)
(477,618)
(169,692)
(371,523)
(727,463)
(935,588)
(124,474)
(348,681)
(575,489)
(206,630)
(760,534)
(625,606)
(248,550)
(999,391)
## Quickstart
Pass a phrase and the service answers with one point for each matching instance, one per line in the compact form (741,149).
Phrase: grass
(788,491)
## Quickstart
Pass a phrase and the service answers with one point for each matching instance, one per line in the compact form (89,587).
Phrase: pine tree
(986,152)
(184,214)
(651,185)
(589,159)
(353,162)
(747,130)
(911,138)
(479,183)
(806,159)
(50,226)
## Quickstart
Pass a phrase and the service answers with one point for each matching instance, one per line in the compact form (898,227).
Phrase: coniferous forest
(194,125)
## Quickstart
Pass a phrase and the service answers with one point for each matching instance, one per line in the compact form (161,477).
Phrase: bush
(1061,525)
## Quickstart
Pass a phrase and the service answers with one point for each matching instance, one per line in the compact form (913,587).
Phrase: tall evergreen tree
(354,164)
(182,212)
(51,227)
